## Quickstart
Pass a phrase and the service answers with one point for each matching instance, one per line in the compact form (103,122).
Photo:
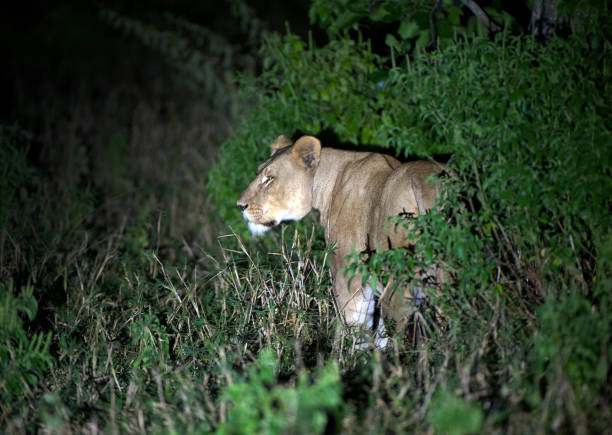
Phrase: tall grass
(138,344)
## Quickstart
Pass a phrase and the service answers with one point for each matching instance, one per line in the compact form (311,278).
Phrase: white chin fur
(257,229)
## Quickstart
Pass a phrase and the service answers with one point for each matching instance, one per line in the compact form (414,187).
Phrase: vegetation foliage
(111,322)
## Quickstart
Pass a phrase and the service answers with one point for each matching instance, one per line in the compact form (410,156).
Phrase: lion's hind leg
(409,310)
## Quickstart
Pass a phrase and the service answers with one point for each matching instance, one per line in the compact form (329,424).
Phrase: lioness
(355,193)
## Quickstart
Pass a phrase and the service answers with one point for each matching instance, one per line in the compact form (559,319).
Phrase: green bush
(258,405)
(453,415)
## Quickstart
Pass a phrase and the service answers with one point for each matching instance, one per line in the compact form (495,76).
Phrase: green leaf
(380,14)
(454,14)
(392,41)
(453,415)
(408,29)
(423,39)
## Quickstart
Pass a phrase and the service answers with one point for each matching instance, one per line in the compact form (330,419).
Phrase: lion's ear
(307,151)
(281,142)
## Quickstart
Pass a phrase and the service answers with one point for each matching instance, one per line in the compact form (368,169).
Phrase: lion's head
(282,188)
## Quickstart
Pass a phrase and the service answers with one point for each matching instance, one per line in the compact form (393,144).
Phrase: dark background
(63,47)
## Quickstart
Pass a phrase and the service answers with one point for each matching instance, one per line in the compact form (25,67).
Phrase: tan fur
(355,193)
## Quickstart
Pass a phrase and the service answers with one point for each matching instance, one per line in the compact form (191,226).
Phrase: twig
(481,15)
(536,16)
(432,30)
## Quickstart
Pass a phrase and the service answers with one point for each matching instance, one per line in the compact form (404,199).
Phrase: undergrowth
(523,229)
(113,320)
(132,344)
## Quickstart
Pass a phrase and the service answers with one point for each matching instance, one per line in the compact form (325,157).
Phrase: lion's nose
(242,207)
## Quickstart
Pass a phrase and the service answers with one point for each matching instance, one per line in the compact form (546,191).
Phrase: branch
(481,15)
(536,15)
(432,29)
(544,19)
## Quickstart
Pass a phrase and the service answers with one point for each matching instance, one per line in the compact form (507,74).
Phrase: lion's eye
(266,179)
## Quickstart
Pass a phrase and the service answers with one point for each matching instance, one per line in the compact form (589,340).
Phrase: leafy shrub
(258,405)
(417,24)
(453,415)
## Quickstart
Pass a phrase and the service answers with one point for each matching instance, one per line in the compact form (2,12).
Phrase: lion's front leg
(360,309)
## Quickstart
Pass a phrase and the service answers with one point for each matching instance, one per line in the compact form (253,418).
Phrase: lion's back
(407,192)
